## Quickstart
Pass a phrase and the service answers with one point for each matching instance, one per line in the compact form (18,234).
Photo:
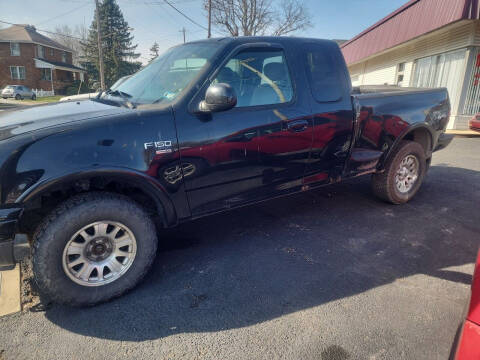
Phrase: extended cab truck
(206,127)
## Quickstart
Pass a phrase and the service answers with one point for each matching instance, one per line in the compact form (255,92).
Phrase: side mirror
(219,97)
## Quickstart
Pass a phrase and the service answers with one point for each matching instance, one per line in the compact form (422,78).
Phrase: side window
(259,77)
(323,74)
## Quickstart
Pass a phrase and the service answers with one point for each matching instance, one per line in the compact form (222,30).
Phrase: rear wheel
(34,97)
(403,175)
(92,248)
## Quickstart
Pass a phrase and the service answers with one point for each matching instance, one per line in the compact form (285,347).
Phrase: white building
(425,43)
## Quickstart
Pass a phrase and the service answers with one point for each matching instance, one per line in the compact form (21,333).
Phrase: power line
(66,13)
(185,16)
(53,18)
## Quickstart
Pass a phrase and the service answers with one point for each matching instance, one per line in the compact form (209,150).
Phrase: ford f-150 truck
(206,127)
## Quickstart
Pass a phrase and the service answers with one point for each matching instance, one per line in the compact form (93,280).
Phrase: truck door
(332,111)
(259,148)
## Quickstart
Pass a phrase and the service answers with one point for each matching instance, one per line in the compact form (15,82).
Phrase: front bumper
(443,141)
(13,247)
(8,95)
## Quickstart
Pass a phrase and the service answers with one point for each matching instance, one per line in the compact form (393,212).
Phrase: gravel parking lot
(331,274)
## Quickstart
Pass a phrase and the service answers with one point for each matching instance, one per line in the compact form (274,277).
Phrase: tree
(154,50)
(259,17)
(118,50)
(72,39)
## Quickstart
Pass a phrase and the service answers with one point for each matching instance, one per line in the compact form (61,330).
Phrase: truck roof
(277,39)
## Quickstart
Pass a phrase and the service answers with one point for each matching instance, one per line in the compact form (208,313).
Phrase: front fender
(147,184)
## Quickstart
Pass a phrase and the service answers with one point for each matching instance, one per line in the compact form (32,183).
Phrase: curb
(10,291)
(463,132)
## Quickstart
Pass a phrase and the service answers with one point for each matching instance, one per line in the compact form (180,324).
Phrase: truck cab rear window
(322,74)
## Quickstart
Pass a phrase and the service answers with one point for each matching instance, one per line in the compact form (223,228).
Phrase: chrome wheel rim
(407,174)
(99,253)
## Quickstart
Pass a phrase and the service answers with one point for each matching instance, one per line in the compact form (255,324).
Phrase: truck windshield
(168,75)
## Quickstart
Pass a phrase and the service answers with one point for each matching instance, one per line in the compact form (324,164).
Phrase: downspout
(51,80)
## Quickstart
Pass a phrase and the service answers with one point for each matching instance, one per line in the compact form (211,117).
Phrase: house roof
(59,65)
(415,18)
(28,33)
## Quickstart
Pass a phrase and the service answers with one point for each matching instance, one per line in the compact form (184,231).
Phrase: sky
(153,20)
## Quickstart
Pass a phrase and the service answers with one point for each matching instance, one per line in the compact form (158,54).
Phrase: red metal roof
(415,18)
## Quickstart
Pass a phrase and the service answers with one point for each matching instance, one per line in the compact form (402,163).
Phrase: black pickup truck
(206,127)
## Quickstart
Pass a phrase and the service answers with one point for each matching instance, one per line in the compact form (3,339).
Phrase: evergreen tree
(116,42)
(154,50)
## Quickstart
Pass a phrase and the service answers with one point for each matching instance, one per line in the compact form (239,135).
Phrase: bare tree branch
(259,17)
(66,36)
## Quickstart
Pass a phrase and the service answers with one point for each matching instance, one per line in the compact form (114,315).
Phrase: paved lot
(332,274)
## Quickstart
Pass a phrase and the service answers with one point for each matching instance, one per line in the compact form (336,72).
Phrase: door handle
(297,125)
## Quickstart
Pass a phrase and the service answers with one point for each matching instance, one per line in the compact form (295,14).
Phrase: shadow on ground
(261,262)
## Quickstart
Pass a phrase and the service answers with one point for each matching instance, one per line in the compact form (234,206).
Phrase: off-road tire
(57,228)
(383,184)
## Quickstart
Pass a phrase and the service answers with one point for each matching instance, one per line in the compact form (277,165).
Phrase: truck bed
(383,114)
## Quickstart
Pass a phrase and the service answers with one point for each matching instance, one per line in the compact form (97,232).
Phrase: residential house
(34,60)
(424,43)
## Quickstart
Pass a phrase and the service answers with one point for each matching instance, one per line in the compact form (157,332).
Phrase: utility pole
(183,31)
(100,50)
(209,19)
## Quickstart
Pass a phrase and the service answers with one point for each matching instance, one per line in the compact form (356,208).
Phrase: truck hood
(28,119)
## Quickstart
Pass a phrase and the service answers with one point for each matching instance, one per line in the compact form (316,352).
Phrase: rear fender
(411,133)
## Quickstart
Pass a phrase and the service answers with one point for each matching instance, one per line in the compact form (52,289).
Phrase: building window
(444,70)
(472,97)
(400,71)
(17,72)
(40,51)
(14,49)
(46,74)
(64,57)
(52,52)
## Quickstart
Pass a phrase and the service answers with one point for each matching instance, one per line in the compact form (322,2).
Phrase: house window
(46,74)
(14,49)
(52,52)
(400,75)
(17,72)
(40,51)
(64,57)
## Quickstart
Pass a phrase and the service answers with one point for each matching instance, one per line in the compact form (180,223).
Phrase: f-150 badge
(160,147)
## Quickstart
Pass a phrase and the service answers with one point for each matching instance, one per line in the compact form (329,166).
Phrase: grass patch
(48,99)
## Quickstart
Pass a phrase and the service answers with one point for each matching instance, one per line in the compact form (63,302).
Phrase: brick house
(31,59)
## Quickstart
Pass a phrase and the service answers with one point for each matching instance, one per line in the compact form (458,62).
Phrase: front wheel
(18,97)
(403,175)
(92,248)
